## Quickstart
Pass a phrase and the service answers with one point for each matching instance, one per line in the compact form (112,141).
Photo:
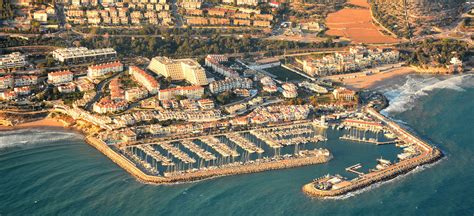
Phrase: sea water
(51,172)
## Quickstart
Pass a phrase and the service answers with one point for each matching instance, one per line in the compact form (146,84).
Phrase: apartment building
(82,54)
(99,70)
(12,60)
(145,79)
(191,92)
(230,84)
(60,77)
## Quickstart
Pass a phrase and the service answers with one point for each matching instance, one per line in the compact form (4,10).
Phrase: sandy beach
(47,122)
(358,81)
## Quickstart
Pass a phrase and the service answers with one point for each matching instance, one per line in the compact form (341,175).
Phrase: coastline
(41,123)
(360,80)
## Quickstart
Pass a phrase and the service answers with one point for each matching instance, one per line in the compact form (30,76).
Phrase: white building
(60,77)
(191,92)
(230,84)
(82,54)
(13,60)
(145,79)
(99,70)
(40,16)
(214,61)
(179,69)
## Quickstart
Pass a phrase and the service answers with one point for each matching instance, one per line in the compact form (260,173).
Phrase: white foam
(378,184)
(403,97)
(25,137)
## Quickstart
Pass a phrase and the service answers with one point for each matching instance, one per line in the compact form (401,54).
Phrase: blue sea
(54,172)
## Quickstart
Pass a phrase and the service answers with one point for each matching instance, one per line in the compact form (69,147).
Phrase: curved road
(100,90)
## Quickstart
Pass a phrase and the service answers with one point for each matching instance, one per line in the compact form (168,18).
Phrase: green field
(284,74)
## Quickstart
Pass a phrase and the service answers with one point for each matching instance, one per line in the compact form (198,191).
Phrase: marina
(222,154)
(205,155)
(417,153)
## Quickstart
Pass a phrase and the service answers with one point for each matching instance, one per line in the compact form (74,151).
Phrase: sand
(356,25)
(47,122)
(358,81)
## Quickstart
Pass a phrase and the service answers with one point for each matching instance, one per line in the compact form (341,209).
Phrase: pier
(156,155)
(370,140)
(245,144)
(177,153)
(220,147)
(193,147)
(354,168)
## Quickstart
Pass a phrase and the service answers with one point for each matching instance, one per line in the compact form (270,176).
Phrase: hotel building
(179,69)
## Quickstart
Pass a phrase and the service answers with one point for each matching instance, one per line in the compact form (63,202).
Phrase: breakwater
(131,168)
(428,155)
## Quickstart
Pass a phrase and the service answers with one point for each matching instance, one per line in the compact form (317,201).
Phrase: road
(100,91)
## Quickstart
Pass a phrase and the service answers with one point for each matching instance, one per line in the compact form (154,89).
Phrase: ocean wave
(26,137)
(396,179)
(403,97)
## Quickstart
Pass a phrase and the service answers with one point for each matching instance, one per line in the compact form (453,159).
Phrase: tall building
(179,69)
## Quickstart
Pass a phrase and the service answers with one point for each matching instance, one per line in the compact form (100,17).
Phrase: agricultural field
(356,24)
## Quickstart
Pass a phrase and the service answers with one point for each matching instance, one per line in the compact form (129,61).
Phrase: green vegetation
(391,21)
(180,97)
(128,83)
(225,97)
(6,10)
(48,41)
(436,52)
(186,45)
(154,30)
(71,97)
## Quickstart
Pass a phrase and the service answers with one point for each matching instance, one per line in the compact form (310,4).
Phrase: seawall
(130,167)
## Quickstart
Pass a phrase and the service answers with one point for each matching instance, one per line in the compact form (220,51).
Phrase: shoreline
(40,123)
(360,80)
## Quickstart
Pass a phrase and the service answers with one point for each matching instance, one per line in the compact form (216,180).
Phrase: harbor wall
(363,182)
(131,168)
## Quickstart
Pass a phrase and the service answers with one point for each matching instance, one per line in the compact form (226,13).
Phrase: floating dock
(245,144)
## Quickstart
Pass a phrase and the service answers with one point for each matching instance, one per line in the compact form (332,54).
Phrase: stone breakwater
(366,181)
(131,168)
(428,155)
